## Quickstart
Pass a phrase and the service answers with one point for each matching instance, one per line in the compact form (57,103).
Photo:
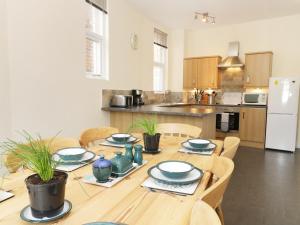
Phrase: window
(160,60)
(96,40)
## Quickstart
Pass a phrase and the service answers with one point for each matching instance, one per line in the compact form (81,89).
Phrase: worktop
(180,110)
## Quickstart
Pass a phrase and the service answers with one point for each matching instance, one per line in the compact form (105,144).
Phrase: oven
(228,119)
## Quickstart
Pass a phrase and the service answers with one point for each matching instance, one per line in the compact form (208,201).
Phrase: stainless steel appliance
(254,98)
(137,97)
(122,101)
(227,119)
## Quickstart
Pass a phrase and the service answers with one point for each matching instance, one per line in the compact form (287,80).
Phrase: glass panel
(159,54)
(158,78)
(93,57)
(95,22)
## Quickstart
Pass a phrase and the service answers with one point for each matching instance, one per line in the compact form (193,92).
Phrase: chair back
(57,143)
(222,168)
(231,145)
(90,135)
(204,214)
(179,129)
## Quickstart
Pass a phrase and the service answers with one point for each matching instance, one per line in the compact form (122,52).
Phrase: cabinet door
(253,124)
(258,69)
(190,74)
(208,72)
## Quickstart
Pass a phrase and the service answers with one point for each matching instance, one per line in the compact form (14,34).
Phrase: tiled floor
(264,190)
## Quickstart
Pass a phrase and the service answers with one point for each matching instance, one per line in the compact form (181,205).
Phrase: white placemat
(183,189)
(90,179)
(4,195)
(106,143)
(70,168)
(193,152)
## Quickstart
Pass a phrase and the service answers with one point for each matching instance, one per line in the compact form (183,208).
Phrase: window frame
(103,42)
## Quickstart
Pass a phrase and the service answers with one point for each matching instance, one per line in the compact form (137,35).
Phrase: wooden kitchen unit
(201,72)
(258,69)
(123,121)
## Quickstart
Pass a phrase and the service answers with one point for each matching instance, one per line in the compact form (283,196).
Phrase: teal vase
(138,155)
(128,152)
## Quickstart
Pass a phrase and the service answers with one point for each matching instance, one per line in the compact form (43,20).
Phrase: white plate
(194,176)
(86,157)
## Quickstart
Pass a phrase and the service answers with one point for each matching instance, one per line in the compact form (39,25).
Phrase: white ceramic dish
(130,140)
(174,168)
(120,137)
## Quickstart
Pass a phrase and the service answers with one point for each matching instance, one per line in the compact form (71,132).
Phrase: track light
(205,17)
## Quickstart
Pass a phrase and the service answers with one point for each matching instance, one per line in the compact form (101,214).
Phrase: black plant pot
(46,199)
(151,142)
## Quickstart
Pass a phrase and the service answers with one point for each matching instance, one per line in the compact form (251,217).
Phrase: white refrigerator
(282,114)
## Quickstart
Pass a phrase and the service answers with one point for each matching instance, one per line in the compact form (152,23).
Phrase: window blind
(160,38)
(99,4)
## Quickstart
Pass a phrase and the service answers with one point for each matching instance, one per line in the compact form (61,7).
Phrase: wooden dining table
(126,202)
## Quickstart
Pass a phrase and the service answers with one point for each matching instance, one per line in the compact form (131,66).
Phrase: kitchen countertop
(162,110)
(180,109)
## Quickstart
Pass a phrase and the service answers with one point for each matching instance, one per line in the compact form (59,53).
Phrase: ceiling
(180,13)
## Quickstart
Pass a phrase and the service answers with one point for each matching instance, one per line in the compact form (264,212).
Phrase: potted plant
(46,187)
(150,135)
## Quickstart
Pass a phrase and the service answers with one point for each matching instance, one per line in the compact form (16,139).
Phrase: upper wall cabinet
(258,69)
(201,72)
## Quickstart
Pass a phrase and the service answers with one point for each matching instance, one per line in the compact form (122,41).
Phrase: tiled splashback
(150,97)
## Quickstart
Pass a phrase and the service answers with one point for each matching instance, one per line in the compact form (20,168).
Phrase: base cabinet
(253,126)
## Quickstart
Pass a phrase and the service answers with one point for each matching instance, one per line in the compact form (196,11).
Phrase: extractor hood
(232,60)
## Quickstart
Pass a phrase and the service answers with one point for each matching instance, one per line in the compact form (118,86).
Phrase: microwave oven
(254,98)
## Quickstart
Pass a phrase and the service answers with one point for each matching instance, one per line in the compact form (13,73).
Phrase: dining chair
(222,168)
(231,145)
(204,214)
(179,129)
(90,135)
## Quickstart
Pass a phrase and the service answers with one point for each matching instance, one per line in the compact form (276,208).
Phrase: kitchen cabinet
(253,124)
(190,74)
(201,72)
(258,69)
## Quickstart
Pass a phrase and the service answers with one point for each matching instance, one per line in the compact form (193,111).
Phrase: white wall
(46,42)
(280,35)
(4,76)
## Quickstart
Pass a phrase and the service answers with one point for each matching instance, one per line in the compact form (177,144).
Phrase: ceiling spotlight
(205,17)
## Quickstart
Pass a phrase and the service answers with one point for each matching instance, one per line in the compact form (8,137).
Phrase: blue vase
(128,152)
(138,155)
(102,169)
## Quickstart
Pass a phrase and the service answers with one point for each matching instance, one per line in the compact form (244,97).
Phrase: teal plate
(194,176)
(87,157)
(112,141)
(187,146)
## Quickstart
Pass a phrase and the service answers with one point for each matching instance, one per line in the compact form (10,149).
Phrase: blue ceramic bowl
(175,169)
(120,137)
(199,143)
(71,154)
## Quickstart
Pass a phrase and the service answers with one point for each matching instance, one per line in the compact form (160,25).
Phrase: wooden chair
(90,135)
(222,168)
(13,163)
(203,214)
(231,145)
(179,129)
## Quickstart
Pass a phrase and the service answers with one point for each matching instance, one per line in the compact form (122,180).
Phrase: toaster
(122,101)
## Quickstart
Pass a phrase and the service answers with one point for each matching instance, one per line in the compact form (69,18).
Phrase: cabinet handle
(243,115)
(248,79)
